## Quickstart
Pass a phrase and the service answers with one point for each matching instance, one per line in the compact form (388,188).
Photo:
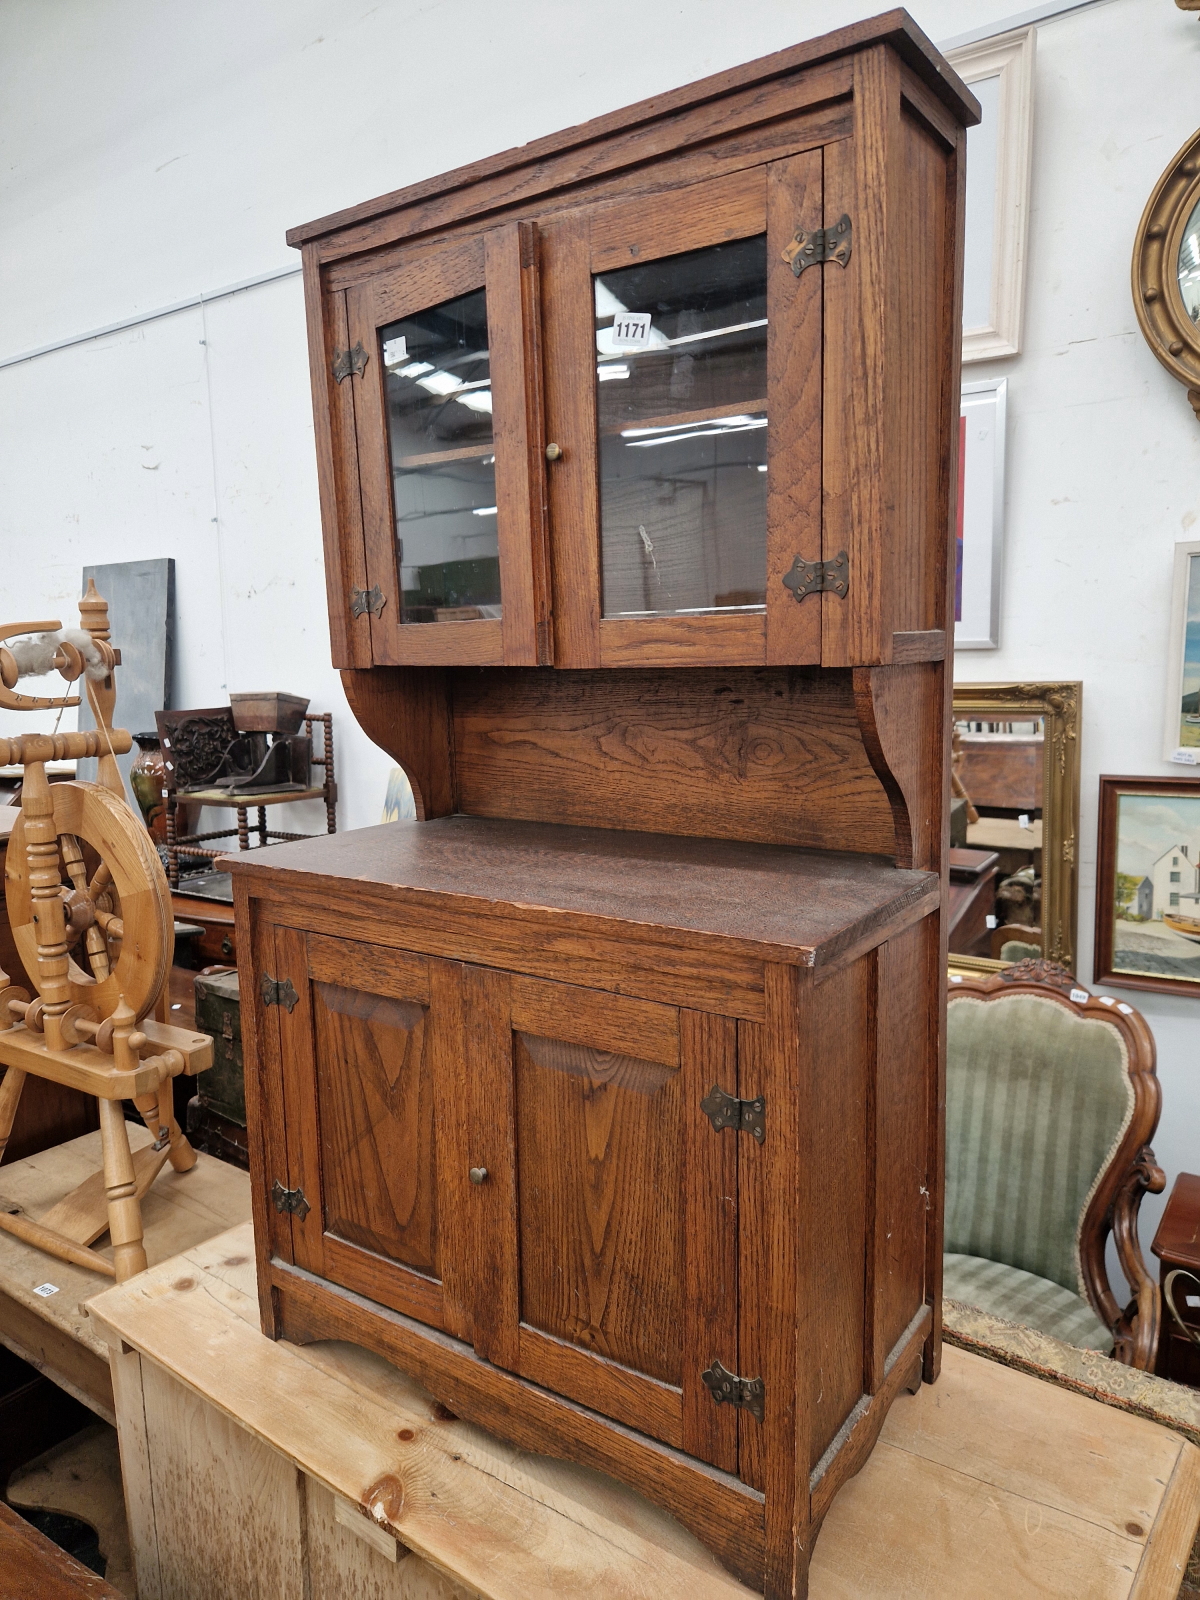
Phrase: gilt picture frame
(1059,707)
(1148,884)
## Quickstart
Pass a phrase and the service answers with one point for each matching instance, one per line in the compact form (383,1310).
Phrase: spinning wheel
(120,935)
(90,912)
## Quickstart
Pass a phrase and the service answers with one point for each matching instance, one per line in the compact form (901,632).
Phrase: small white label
(1121,1006)
(1186,758)
(956,977)
(46,1290)
(1023,819)
(631,330)
(1191,1299)
(991,921)
(1080,996)
(395,352)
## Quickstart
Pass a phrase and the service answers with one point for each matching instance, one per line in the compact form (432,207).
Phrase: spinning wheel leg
(158,1113)
(10,1097)
(120,1189)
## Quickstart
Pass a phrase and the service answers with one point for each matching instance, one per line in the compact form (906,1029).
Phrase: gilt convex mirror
(1166,270)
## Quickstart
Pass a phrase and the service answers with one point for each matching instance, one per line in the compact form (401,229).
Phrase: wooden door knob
(478,1174)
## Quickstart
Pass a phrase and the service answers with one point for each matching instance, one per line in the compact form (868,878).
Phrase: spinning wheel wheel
(119,931)
(91,918)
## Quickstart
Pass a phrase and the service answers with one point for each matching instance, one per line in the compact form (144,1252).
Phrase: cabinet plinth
(606,1098)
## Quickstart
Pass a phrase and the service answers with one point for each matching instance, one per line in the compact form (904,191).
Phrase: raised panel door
(615,1239)
(369,1147)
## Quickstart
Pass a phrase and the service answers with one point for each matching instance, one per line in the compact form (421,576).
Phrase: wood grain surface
(805,905)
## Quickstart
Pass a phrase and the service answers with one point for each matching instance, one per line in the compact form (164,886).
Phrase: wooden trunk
(606,1097)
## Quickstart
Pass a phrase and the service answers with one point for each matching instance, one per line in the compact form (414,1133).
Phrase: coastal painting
(1149,905)
(1183,689)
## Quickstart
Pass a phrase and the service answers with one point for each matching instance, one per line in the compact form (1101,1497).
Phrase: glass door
(450,461)
(692,473)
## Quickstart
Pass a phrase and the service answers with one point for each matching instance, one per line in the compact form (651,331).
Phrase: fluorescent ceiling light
(484,511)
(481,400)
(439,383)
(607,304)
(608,370)
(747,426)
(718,333)
(414,369)
(721,424)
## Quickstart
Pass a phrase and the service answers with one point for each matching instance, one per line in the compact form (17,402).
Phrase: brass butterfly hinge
(726,1111)
(347,362)
(363,601)
(819,245)
(279,992)
(727,1388)
(289,1200)
(818,577)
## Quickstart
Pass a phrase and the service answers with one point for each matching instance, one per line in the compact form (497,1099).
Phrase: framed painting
(1181,737)
(999,151)
(979,547)
(1148,884)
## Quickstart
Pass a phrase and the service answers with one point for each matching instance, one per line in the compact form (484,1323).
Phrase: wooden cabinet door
(444,438)
(607,1230)
(358,1042)
(683,381)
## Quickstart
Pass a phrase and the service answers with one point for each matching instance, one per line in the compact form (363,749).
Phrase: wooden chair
(98,948)
(1051,1103)
(1014,941)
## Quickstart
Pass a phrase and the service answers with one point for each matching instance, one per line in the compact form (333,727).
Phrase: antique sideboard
(605,1098)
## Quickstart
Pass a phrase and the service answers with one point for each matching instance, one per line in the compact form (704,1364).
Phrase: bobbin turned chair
(88,1029)
(1051,1103)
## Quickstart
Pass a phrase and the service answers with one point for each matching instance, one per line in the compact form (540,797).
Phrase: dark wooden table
(31,1568)
(1177,1245)
(972,899)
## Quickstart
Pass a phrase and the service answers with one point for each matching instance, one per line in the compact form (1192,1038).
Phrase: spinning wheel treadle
(120,935)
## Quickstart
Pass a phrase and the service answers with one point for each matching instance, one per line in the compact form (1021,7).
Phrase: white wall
(155,152)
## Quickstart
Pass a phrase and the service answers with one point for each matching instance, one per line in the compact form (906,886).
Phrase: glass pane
(681,380)
(1189,264)
(439,401)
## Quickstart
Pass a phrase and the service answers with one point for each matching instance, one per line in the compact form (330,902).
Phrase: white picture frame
(999,154)
(980,555)
(1181,740)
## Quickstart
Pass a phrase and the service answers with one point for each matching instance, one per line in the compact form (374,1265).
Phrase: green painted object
(218,1013)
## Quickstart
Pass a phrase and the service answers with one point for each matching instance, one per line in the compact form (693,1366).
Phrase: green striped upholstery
(1037,1100)
(1018,950)
(1020,1297)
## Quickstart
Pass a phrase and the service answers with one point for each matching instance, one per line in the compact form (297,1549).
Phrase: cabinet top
(802,906)
(895,28)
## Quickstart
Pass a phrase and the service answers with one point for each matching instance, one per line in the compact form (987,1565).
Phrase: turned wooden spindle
(45,889)
(102,693)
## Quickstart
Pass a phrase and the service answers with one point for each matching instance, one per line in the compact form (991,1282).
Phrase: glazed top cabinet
(606,1097)
(668,389)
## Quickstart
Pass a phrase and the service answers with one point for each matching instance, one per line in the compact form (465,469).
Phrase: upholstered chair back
(1051,1101)
(1037,1102)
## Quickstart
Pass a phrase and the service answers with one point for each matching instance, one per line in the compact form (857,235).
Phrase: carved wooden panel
(375,1089)
(599,1158)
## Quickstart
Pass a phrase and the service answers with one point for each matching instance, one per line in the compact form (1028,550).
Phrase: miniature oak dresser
(605,1098)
